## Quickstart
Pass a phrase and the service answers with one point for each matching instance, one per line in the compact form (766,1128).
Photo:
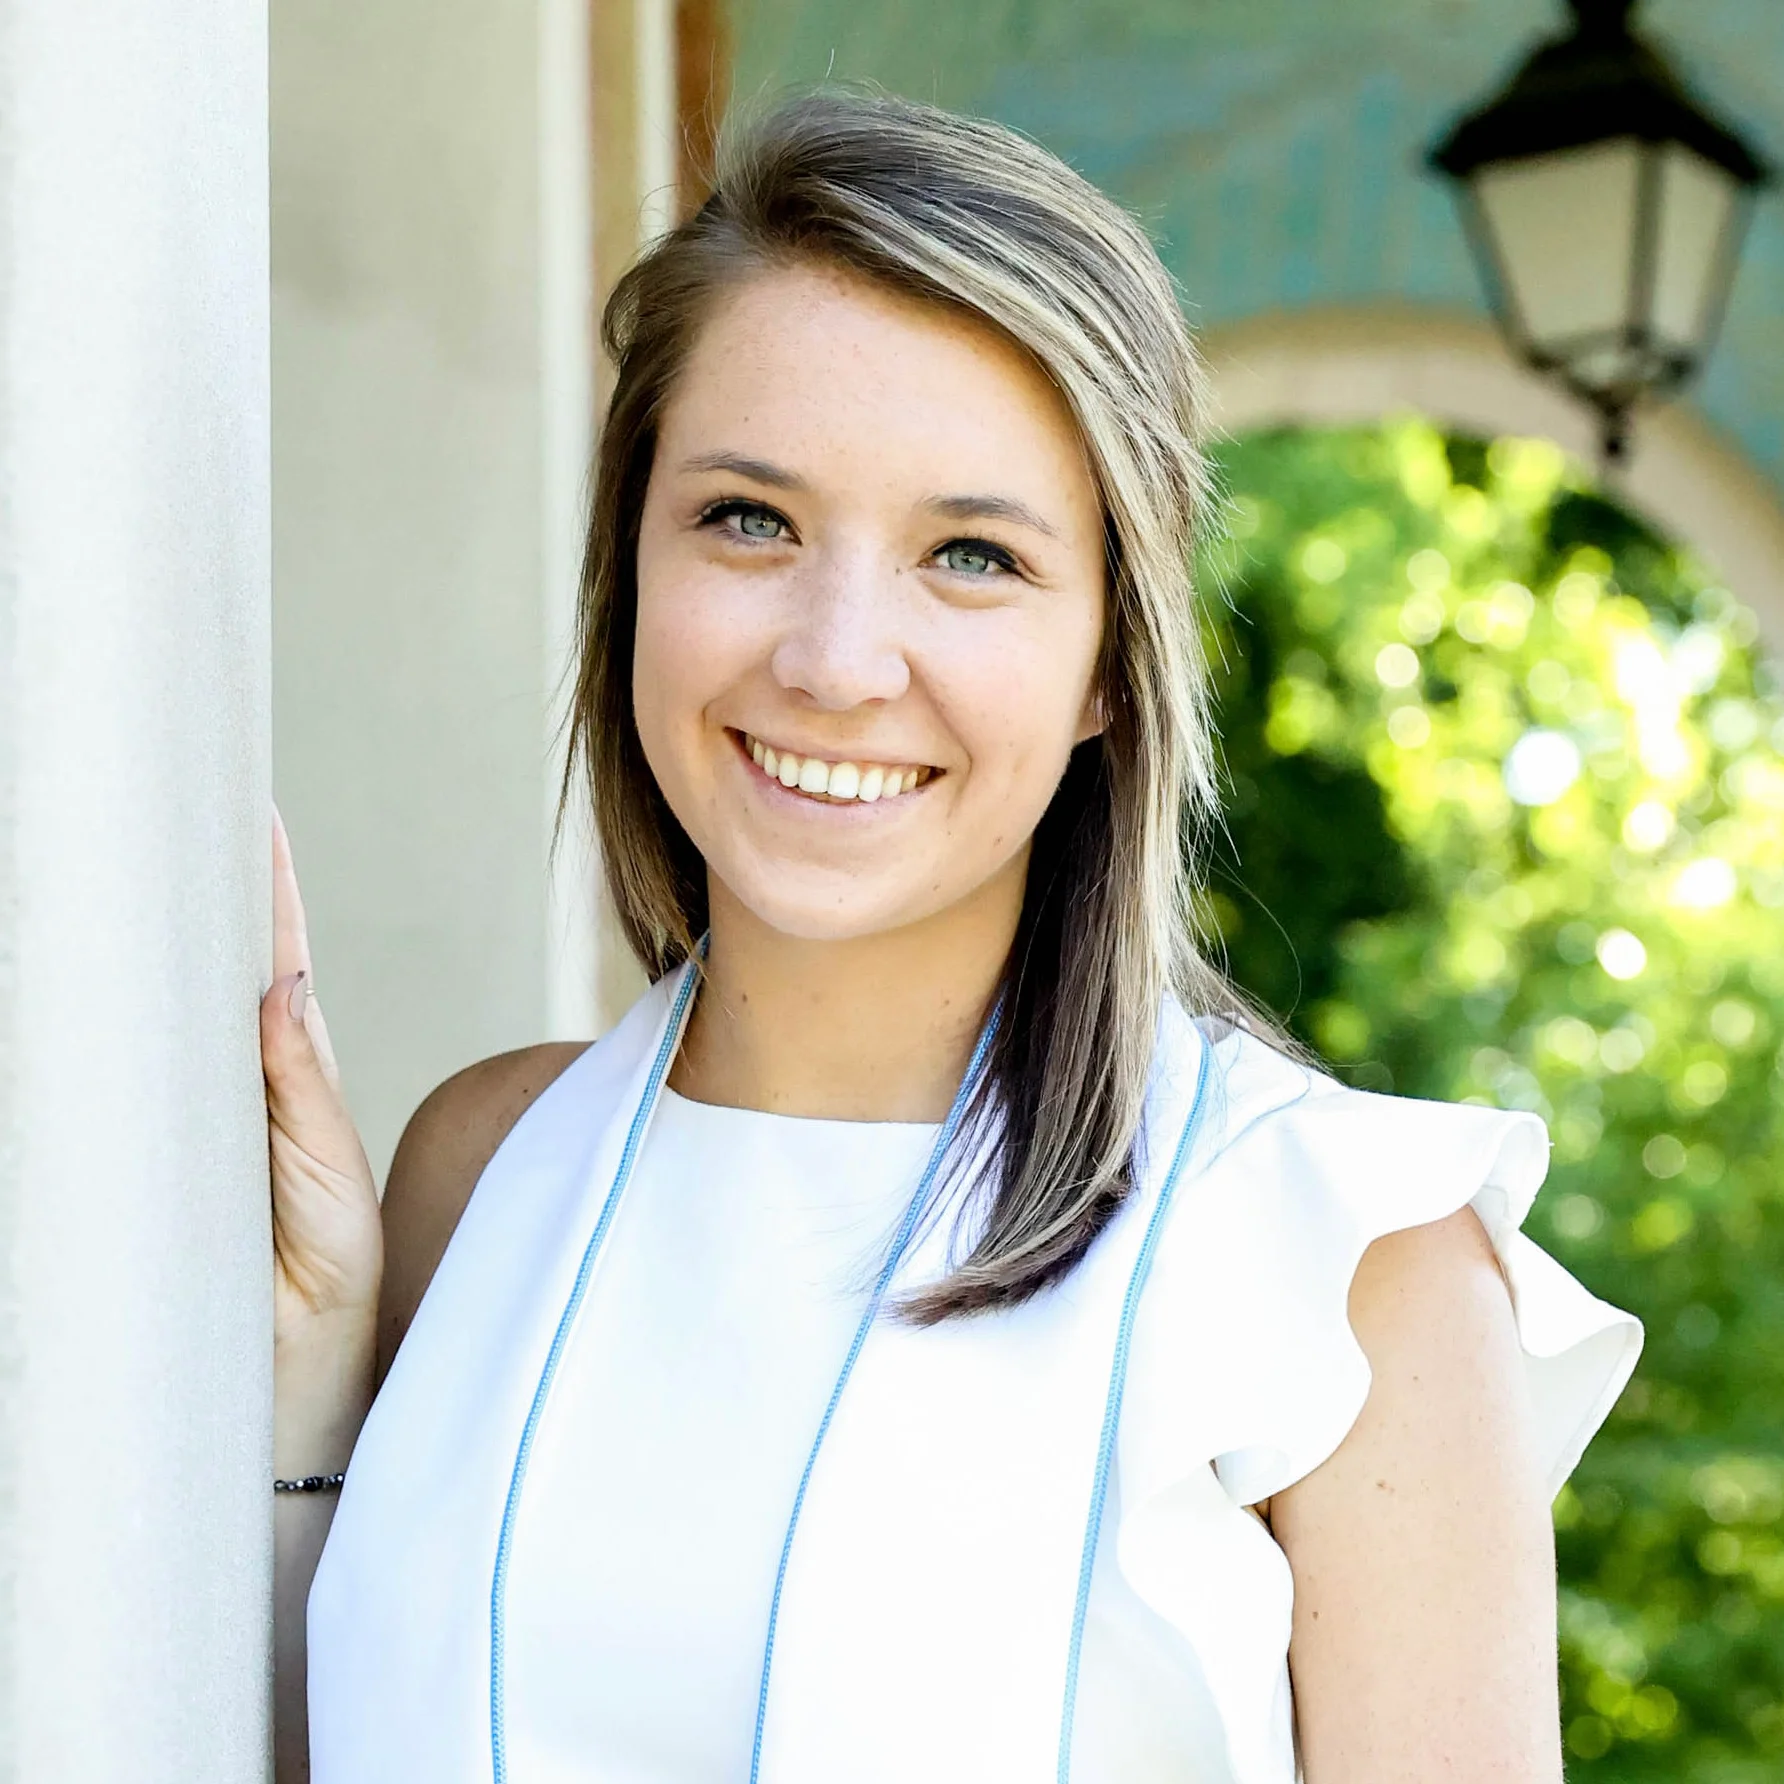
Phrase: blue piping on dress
(1105,1452)
(894,1257)
(585,1269)
(498,1594)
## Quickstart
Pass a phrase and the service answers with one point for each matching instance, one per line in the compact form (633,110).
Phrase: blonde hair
(969,215)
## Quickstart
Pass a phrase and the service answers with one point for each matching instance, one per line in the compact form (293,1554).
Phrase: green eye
(974,557)
(752,520)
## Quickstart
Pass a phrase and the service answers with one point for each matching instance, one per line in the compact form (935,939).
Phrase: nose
(842,648)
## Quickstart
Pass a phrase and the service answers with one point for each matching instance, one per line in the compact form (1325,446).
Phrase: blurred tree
(1507,812)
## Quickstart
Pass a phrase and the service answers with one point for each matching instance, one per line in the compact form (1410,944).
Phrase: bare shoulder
(1431,1309)
(442,1153)
(1431,1290)
(1424,1612)
(1432,1312)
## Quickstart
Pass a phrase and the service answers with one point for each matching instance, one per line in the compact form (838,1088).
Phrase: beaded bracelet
(312,1483)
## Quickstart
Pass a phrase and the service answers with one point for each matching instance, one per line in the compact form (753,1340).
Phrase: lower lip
(788,798)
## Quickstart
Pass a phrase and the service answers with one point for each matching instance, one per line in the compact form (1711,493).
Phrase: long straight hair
(978,219)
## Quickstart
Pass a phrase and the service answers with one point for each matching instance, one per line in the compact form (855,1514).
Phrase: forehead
(807,362)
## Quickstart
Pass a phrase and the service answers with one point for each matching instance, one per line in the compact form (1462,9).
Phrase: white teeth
(840,780)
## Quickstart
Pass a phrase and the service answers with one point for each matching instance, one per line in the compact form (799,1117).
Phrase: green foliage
(1508,811)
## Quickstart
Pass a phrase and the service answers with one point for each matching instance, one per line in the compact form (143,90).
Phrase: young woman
(937,1334)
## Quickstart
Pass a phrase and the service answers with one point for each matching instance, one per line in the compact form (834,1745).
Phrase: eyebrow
(757,470)
(990,508)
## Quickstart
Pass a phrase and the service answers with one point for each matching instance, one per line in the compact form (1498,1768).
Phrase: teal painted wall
(1272,145)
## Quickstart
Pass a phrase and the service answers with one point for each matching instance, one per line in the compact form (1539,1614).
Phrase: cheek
(1018,704)
(655,690)
(677,670)
(688,647)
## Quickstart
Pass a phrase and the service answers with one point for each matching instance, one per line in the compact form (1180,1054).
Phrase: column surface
(134,586)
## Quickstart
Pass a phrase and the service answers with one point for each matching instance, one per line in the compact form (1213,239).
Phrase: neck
(874,1028)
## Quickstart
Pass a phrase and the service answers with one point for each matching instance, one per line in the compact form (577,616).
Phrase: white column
(134,563)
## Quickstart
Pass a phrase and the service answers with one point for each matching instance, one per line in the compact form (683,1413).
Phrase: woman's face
(870,601)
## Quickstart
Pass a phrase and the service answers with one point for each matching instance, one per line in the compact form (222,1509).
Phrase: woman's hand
(328,1262)
(327,1243)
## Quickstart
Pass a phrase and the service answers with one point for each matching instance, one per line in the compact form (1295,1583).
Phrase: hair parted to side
(970,215)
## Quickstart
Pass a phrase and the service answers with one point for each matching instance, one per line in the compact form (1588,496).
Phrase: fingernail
(299,996)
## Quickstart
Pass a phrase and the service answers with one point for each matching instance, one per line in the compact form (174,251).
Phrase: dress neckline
(723,1114)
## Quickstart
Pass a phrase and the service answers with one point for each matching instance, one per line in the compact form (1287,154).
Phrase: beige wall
(432,375)
(135,1264)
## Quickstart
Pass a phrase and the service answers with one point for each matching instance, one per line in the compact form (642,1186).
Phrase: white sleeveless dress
(1020,1551)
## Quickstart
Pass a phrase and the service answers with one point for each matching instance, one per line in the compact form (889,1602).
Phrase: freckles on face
(870,603)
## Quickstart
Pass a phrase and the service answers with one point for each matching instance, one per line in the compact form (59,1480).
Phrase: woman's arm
(328,1256)
(321,1394)
(1423,1555)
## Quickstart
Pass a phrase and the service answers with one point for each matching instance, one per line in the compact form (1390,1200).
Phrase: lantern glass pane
(1697,202)
(1563,230)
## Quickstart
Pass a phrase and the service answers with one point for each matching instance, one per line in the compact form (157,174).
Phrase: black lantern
(1606,209)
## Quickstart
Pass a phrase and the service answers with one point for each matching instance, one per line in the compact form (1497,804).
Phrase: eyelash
(734,507)
(1004,560)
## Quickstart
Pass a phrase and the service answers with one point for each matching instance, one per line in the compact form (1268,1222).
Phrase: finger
(291,940)
(302,1093)
(291,948)
(291,1020)
(318,1032)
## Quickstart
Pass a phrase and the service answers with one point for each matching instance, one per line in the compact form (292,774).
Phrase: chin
(832,908)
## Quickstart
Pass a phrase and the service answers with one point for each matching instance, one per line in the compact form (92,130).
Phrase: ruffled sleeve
(1245,1374)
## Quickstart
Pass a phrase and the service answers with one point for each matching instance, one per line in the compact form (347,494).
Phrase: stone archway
(1339,365)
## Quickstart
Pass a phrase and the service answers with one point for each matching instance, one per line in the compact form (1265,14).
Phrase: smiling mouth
(837,782)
